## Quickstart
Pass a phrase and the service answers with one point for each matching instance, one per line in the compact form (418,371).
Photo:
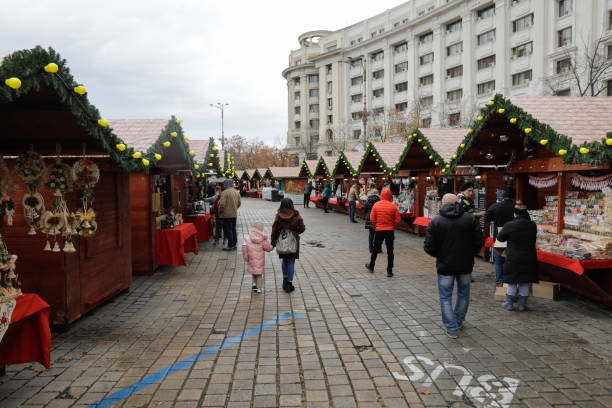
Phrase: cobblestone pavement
(358,340)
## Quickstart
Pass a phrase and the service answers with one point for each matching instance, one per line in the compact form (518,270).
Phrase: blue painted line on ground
(188,362)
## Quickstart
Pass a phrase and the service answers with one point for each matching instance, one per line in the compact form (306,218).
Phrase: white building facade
(434,63)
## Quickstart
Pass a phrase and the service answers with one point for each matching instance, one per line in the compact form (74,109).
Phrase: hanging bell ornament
(56,247)
(47,245)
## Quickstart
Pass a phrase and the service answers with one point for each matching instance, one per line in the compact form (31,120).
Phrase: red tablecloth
(573,265)
(357,206)
(422,221)
(28,337)
(407,215)
(203,224)
(173,243)
(316,198)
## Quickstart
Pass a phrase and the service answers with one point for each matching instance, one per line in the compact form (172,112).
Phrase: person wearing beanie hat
(521,266)
(466,199)
(228,212)
(500,213)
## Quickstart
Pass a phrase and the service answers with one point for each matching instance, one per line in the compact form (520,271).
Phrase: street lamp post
(221,106)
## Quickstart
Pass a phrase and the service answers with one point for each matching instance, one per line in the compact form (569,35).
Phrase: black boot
(290,287)
(285,283)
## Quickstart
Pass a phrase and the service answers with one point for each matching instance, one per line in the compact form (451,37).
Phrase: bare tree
(585,70)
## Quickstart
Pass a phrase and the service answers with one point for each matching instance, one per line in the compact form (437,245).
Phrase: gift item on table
(10,287)
(432,203)
(589,212)
(406,201)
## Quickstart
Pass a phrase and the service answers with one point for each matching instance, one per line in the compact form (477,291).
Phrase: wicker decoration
(33,208)
(59,177)
(31,168)
(10,287)
(86,223)
(86,175)
(7,207)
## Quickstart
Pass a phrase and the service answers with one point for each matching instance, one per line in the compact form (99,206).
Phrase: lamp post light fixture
(221,106)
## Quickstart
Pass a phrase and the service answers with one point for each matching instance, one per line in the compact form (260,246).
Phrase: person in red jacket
(384,216)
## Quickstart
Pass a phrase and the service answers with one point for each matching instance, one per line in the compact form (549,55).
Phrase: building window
(426,59)
(378,111)
(486,38)
(314,123)
(378,74)
(426,38)
(609,87)
(377,93)
(298,62)
(331,48)
(610,20)
(313,79)
(314,108)
(564,36)
(486,62)
(454,72)
(522,23)
(425,122)
(315,139)
(297,141)
(298,124)
(522,50)
(330,103)
(564,92)
(426,80)
(330,135)
(378,56)
(486,12)
(454,49)
(401,67)
(401,107)
(400,47)
(564,66)
(329,87)
(297,110)
(522,78)
(356,133)
(426,101)
(454,96)
(396,24)
(357,80)
(355,63)
(486,88)
(454,118)
(329,68)
(330,119)
(401,87)
(453,27)
(356,115)
(313,93)
(356,98)
(609,51)
(296,81)
(296,96)
(565,7)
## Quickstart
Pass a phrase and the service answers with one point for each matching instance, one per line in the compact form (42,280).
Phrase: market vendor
(466,199)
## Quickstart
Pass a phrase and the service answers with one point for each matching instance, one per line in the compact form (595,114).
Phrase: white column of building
(542,21)
(468,82)
(388,79)
(503,29)
(437,88)
(413,79)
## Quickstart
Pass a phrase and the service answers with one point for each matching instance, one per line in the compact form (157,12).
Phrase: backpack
(286,244)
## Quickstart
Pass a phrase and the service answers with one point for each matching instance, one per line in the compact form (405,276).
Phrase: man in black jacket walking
(500,213)
(373,198)
(453,238)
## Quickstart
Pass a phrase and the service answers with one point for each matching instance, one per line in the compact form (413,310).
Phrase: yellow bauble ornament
(430,156)
(174,134)
(120,147)
(51,68)
(409,137)
(186,139)
(137,155)
(218,155)
(212,155)
(454,156)
(198,175)
(197,166)
(443,170)
(167,144)
(191,153)
(414,134)
(214,148)
(584,150)
(405,146)
(462,145)
(419,140)
(436,163)
(543,142)
(609,141)
(103,122)
(470,131)
(562,152)
(179,121)
(424,147)
(80,90)
(479,118)
(513,120)
(527,130)
(502,110)
(14,83)
(490,103)
(448,166)
(158,156)
(210,164)
(145,162)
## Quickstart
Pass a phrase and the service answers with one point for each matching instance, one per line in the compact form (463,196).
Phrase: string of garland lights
(343,159)
(30,70)
(322,164)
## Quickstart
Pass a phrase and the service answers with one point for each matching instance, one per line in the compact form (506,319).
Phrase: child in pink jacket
(253,252)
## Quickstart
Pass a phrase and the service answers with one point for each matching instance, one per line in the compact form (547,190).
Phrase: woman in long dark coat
(288,217)
(521,266)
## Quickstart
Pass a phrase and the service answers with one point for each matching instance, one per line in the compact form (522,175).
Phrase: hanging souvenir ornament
(86,175)
(52,224)
(86,223)
(10,287)
(31,168)
(57,221)
(7,206)
(544,181)
(591,183)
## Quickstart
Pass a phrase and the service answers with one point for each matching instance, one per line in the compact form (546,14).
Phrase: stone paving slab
(362,340)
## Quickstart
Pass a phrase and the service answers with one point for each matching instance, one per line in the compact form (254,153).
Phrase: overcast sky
(152,59)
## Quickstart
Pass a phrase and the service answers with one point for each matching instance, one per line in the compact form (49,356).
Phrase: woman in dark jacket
(521,266)
(373,198)
(288,217)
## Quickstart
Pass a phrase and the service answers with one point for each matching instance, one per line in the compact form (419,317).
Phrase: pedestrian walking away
(384,217)
(254,250)
(372,199)
(500,213)
(228,212)
(521,266)
(454,238)
(307,193)
(326,195)
(287,224)
(353,196)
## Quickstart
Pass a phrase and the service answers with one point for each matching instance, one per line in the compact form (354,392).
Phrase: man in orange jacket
(384,217)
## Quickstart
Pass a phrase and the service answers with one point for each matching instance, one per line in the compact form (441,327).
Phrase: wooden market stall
(162,190)
(557,152)
(71,234)
(320,174)
(254,190)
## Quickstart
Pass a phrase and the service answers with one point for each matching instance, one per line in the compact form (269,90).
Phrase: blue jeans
(523,289)
(352,206)
(288,266)
(499,267)
(452,318)
(371,240)
(218,228)
(229,231)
